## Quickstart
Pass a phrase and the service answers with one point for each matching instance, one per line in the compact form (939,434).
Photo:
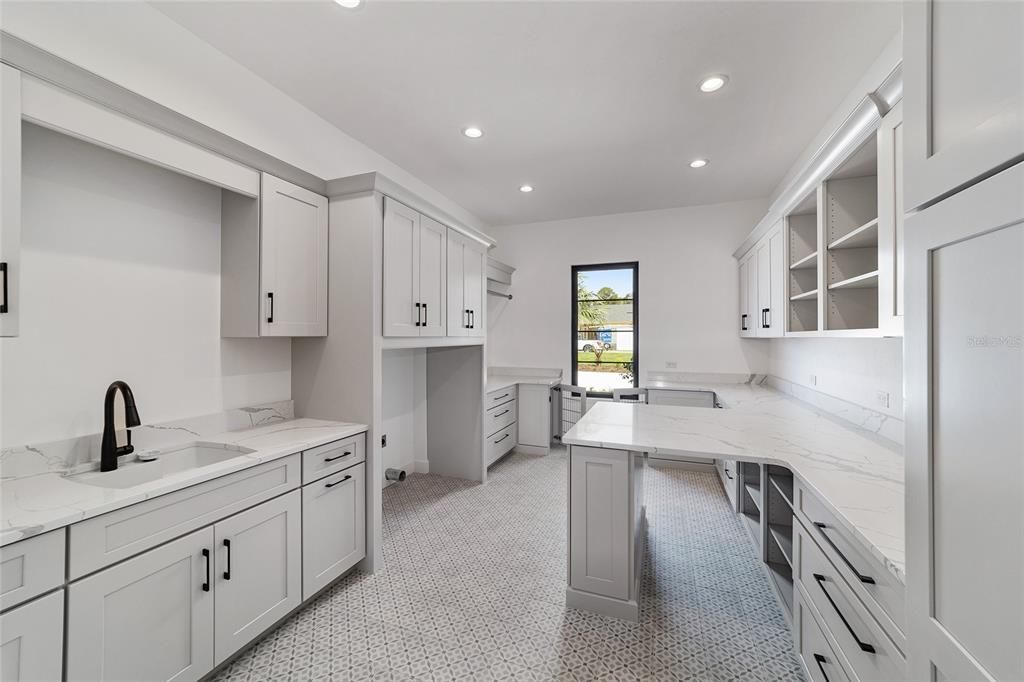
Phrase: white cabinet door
(473,288)
(458,313)
(32,640)
(964,356)
(258,571)
(534,416)
(10,198)
(433,243)
(599,521)
(753,316)
(747,285)
(769,284)
(964,79)
(777,282)
(293,259)
(401,269)
(333,527)
(147,618)
(890,223)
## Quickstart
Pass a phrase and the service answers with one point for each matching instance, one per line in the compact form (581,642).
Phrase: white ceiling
(593,103)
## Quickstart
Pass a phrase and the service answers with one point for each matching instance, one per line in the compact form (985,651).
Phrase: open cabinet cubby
(778,515)
(804,262)
(750,499)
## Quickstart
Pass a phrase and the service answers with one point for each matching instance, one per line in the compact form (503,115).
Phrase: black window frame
(574,321)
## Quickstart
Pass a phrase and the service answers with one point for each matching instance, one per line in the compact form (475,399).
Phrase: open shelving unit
(750,500)
(804,262)
(778,517)
(850,231)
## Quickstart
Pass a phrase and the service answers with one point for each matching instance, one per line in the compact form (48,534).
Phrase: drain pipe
(394,475)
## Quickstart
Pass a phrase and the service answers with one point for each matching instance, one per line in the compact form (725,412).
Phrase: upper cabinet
(415,255)
(10,198)
(761,287)
(466,282)
(274,262)
(964,65)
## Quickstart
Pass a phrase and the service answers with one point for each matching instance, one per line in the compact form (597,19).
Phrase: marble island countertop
(37,504)
(856,473)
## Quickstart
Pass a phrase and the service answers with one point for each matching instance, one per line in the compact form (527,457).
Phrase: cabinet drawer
(873,583)
(31,567)
(333,528)
(332,457)
(501,442)
(495,398)
(820,661)
(862,642)
(106,539)
(497,418)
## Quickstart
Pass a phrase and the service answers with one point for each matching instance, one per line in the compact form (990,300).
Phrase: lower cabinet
(333,527)
(730,483)
(176,611)
(31,642)
(820,662)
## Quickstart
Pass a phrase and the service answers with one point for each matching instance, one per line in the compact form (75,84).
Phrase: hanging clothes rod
(495,293)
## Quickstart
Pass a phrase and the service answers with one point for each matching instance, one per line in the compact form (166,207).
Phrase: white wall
(688,290)
(121,280)
(855,370)
(136,46)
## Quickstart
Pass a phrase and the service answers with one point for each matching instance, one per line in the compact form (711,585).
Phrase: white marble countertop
(496,382)
(860,476)
(37,504)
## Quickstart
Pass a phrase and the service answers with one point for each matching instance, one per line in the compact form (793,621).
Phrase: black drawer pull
(861,577)
(331,485)
(227,571)
(331,459)
(820,660)
(727,474)
(864,646)
(270,299)
(500,397)
(206,555)
(500,413)
(502,438)
(3,276)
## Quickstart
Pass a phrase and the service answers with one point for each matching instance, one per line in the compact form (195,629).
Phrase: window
(604,326)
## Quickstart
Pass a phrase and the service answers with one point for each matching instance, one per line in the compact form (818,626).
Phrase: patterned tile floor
(473,589)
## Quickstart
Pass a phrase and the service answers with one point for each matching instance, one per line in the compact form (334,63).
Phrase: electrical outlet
(671,365)
(882,397)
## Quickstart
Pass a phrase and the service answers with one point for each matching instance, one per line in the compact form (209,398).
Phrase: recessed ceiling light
(698,163)
(526,188)
(473,132)
(349,4)
(712,83)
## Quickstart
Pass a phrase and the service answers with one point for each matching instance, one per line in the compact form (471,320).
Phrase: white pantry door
(964,354)
(293,259)
(401,269)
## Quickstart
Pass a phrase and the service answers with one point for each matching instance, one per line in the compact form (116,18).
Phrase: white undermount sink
(171,461)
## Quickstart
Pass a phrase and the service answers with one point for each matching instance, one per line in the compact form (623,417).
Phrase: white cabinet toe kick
(607,530)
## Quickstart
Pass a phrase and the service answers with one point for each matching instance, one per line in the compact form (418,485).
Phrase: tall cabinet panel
(965,397)
(964,66)
(401,269)
(147,618)
(293,259)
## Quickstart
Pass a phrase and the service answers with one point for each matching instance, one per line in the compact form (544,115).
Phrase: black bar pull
(472,319)
(227,571)
(418,315)
(206,555)
(426,317)
(767,318)
(502,438)
(346,454)
(861,577)
(864,646)
(743,322)
(764,318)
(727,474)
(270,298)
(500,413)
(465,315)
(820,660)
(331,485)
(3,276)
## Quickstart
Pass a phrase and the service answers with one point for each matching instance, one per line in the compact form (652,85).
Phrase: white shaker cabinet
(333,527)
(147,618)
(293,259)
(466,282)
(31,640)
(965,474)
(964,92)
(747,265)
(415,262)
(257,571)
(762,283)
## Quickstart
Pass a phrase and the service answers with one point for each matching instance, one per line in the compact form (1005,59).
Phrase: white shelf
(783,537)
(865,236)
(869,280)
(755,495)
(806,296)
(807,262)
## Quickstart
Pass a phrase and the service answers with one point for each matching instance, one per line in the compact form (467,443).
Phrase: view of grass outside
(605,334)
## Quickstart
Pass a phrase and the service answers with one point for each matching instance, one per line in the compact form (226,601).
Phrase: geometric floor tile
(473,588)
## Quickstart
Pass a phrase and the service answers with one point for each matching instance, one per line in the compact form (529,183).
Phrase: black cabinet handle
(426,317)
(227,571)
(419,315)
(504,395)
(764,318)
(465,315)
(331,459)
(864,646)
(206,555)
(820,660)
(270,298)
(767,318)
(472,319)
(727,474)
(3,276)
(502,438)
(743,322)
(331,485)
(861,577)
(500,413)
